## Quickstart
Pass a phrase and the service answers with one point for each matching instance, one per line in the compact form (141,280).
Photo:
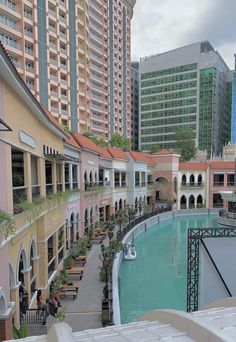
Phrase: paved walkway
(85,311)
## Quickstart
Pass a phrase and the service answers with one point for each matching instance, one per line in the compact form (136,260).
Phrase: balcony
(192,185)
(120,185)
(94,188)
(218,184)
(10,5)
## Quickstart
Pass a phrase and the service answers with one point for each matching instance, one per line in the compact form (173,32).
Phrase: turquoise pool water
(157,279)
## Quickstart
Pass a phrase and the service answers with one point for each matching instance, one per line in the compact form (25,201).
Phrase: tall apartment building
(233,112)
(74,55)
(134,105)
(188,86)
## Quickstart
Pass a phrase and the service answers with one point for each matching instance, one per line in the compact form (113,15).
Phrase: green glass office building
(187,87)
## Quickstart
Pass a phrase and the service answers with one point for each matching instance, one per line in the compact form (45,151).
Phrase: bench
(69,293)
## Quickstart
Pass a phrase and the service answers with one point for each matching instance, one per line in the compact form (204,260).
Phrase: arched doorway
(162,189)
(191,202)
(33,275)
(86,221)
(23,293)
(77,226)
(72,232)
(91,218)
(183,202)
(199,201)
(3,303)
(120,204)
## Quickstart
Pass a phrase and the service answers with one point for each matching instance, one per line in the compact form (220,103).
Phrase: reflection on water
(157,278)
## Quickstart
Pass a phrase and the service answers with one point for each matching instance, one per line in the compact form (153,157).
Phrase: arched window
(86,220)
(191,202)
(91,178)
(175,185)
(85,180)
(95,178)
(184,181)
(191,180)
(199,180)
(183,202)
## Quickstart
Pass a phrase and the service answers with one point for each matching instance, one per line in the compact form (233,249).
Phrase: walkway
(85,311)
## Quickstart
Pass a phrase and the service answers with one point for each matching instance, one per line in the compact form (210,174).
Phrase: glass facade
(207,93)
(233,112)
(168,96)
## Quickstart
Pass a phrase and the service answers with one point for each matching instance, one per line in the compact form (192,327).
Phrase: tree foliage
(155,148)
(96,140)
(120,142)
(185,143)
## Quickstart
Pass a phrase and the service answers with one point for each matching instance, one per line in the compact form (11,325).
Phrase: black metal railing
(192,185)
(35,191)
(33,316)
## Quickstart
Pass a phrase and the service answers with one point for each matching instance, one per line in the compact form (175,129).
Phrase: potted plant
(56,286)
(63,277)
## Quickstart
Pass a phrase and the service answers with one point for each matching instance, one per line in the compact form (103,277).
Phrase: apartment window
(29,66)
(28,13)
(8,22)
(8,40)
(28,31)
(29,49)
(30,83)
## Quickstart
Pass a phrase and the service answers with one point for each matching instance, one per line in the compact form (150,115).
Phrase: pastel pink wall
(89,162)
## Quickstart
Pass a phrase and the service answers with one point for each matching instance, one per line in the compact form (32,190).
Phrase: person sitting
(132,250)
(40,304)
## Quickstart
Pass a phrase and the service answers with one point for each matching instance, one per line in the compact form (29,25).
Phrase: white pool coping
(138,229)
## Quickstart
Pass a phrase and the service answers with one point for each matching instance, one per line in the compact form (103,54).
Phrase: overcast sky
(162,25)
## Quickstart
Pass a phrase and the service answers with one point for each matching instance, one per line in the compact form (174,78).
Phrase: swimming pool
(157,279)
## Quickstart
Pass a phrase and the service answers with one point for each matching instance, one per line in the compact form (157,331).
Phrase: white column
(70,176)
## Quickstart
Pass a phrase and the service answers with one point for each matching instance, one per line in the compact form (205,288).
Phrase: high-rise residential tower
(233,112)
(188,86)
(134,105)
(74,55)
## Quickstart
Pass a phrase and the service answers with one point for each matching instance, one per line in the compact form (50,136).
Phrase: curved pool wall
(137,230)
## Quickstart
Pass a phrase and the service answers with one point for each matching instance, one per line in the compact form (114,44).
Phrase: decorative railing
(33,316)
(227,214)
(192,185)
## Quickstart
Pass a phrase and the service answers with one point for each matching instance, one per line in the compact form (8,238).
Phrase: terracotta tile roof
(193,166)
(104,153)
(117,154)
(86,143)
(71,141)
(222,165)
(140,156)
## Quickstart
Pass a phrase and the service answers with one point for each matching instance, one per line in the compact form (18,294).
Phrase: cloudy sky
(162,25)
